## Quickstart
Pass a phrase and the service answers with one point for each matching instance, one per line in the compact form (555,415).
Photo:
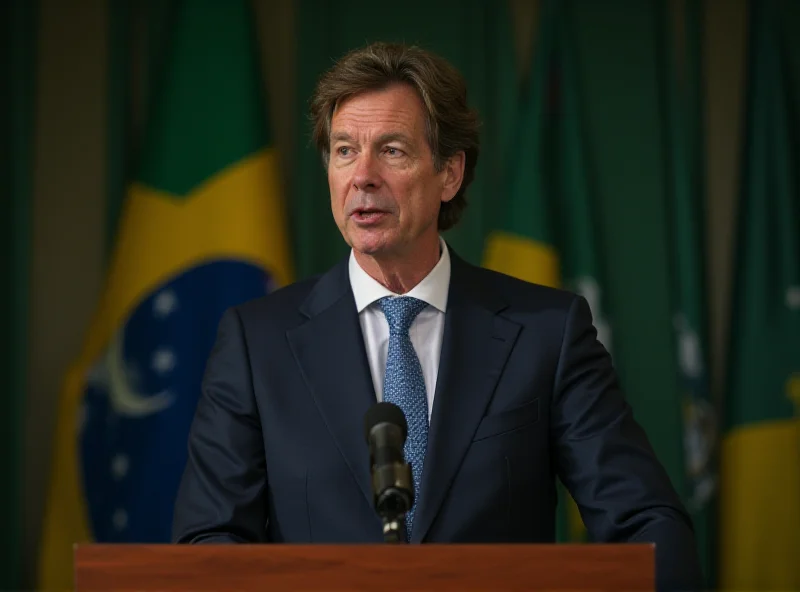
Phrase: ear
(453,175)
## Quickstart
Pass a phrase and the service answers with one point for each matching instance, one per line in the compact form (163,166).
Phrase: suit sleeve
(222,495)
(607,463)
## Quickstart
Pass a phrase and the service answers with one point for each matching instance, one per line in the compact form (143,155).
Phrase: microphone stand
(394,496)
(393,530)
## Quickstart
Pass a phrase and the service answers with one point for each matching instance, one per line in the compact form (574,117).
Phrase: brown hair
(450,124)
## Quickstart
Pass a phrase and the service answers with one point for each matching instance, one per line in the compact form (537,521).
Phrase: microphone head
(385,413)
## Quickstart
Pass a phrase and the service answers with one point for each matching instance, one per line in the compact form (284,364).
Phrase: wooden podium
(624,567)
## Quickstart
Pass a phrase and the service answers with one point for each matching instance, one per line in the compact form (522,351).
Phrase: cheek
(338,191)
(427,198)
(409,192)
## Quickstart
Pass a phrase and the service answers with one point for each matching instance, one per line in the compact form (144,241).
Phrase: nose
(366,176)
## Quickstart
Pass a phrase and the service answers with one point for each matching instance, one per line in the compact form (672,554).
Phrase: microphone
(392,484)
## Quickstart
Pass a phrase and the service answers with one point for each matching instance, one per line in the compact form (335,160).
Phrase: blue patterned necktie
(404,385)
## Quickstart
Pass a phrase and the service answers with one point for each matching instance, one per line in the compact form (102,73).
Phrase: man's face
(385,192)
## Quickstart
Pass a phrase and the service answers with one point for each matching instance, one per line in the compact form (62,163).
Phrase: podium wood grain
(172,568)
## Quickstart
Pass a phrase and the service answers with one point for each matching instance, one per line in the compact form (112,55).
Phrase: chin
(371,249)
(370,244)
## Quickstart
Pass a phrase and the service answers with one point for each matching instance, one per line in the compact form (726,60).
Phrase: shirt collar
(432,289)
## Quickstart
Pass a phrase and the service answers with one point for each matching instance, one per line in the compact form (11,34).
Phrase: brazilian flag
(202,229)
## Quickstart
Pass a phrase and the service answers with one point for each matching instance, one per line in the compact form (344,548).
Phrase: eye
(343,150)
(392,151)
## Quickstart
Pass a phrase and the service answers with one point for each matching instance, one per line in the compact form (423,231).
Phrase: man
(503,383)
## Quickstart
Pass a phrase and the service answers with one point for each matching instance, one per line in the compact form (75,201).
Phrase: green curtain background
(18,18)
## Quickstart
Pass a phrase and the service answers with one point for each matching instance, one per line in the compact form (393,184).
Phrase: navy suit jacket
(525,393)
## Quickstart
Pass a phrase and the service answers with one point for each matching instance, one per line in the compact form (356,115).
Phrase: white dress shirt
(426,330)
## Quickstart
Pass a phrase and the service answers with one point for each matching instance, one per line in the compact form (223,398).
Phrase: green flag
(523,242)
(760,470)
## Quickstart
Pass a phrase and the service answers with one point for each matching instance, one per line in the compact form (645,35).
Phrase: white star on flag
(165,303)
(163,360)
(119,466)
(120,519)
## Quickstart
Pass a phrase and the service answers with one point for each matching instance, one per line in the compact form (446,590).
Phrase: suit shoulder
(524,294)
(280,304)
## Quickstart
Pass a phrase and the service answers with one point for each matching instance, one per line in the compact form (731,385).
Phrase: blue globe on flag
(140,398)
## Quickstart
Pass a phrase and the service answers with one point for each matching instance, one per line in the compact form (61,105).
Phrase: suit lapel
(475,347)
(330,350)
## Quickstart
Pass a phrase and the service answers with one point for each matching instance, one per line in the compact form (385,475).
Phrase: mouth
(368,215)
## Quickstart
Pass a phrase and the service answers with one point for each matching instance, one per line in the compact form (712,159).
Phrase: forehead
(395,108)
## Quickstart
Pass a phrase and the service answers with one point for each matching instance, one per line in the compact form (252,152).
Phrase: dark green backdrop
(17,69)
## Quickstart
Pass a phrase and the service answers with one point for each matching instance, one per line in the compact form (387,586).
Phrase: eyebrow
(382,139)
(341,137)
(393,137)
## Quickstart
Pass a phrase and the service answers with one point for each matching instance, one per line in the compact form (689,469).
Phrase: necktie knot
(401,311)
